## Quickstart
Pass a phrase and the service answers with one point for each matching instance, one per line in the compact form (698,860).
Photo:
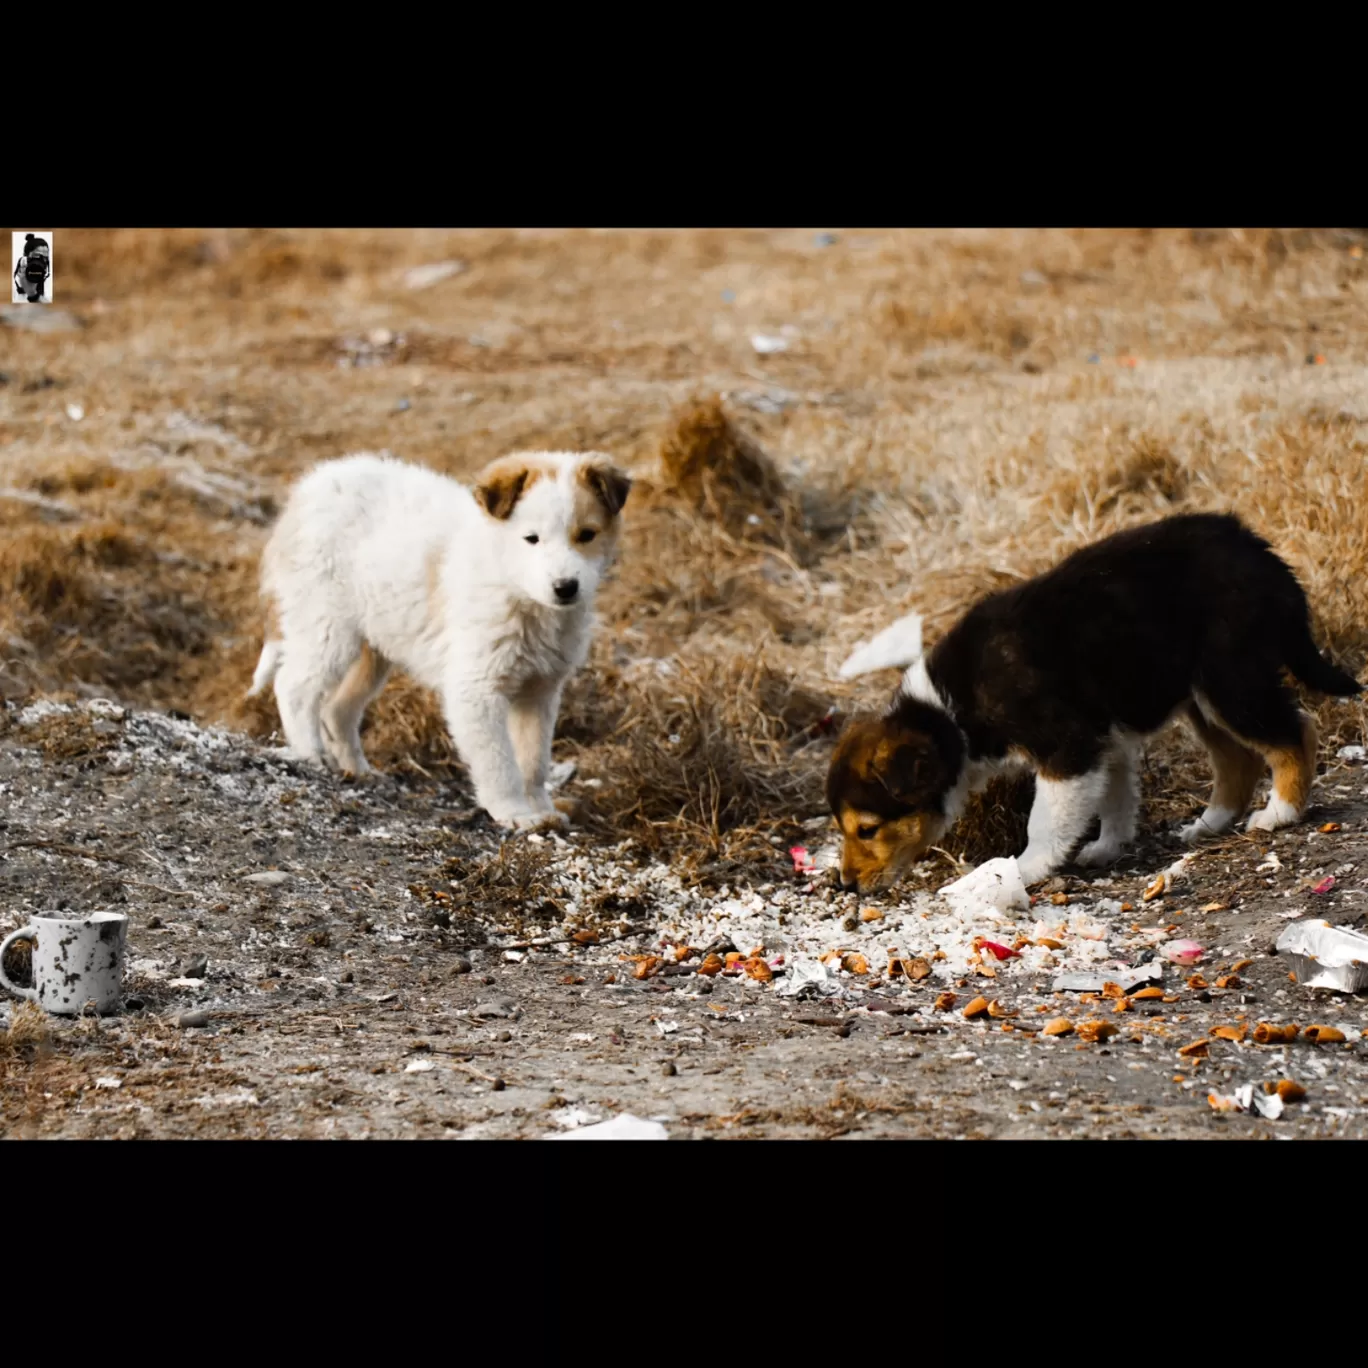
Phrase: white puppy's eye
(532,539)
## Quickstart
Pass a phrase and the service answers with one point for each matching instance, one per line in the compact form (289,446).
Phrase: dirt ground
(926,415)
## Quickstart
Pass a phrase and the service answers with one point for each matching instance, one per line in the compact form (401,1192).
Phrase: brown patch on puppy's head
(887,787)
(601,489)
(500,485)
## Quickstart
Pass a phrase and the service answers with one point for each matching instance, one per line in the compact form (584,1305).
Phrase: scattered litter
(1324,1035)
(767,343)
(1271,864)
(1328,828)
(1325,885)
(1128,980)
(1245,1099)
(624,1127)
(419,1066)
(1325,956)
(998,952)
(1181,951)
(109,1082)
(802,860)
(423,277)
(75,412)
(1268,1106)
(269,878)
(995,884)
(1356,755)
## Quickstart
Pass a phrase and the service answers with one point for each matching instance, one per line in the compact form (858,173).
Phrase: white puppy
(483,595)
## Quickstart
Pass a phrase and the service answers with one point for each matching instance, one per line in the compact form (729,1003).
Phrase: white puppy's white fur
(376,563)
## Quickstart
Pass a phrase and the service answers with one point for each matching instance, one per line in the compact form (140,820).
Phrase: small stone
(268,878)
(196,967)
(155,923)
(492,1009)
(498,1085)
(460,966)
(668,1069)
(348,977)
(504,1037)
(190,1020)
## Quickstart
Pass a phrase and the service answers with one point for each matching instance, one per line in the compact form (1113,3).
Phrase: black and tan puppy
(1191,617)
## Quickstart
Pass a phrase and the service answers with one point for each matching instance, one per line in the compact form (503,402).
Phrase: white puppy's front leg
(479,725)
(531,724)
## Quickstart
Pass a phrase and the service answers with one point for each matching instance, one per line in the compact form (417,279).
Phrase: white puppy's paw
(1098,852)
(1034,866)
(529,819)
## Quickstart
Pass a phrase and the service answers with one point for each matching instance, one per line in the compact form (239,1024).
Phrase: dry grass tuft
(994,822)
(722,473)
(709,752)
(28,1025)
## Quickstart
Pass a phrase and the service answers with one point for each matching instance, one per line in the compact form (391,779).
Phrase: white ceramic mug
(77,962)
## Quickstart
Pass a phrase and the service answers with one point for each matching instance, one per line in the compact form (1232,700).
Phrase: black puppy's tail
(1312,668)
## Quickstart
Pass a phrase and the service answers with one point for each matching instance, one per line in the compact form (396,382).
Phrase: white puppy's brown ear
(608,484)
(500,487)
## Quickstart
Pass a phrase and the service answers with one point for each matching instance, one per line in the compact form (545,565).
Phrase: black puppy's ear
(908,766)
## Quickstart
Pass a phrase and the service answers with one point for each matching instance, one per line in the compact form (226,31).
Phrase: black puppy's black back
(1122,633)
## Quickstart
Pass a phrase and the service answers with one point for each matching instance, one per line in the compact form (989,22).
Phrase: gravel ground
(313,958)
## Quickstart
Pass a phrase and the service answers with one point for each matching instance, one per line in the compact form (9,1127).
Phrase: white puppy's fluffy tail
(267,666)
(898,646)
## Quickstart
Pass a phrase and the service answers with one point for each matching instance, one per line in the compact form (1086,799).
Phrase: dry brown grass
(942,431)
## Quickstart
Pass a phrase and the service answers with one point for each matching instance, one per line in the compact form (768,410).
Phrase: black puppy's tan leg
(1236,770)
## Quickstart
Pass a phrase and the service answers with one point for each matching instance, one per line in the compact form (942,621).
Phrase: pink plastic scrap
(802,861)
(1325,885)
(1181,951)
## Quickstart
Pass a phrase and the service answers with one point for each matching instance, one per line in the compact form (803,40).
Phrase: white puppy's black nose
(566,590)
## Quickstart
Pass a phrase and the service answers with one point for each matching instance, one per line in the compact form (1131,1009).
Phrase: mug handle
(24,933)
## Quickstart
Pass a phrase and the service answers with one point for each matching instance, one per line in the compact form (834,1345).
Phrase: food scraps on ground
(1323,1035)
(977,1007)
(1198,1049)
(1266,1034)
(1059,1026)
(946,1001)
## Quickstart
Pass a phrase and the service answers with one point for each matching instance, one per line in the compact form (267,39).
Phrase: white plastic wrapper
(810,976)
(994,886)
(624,1127)
(1325,956)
